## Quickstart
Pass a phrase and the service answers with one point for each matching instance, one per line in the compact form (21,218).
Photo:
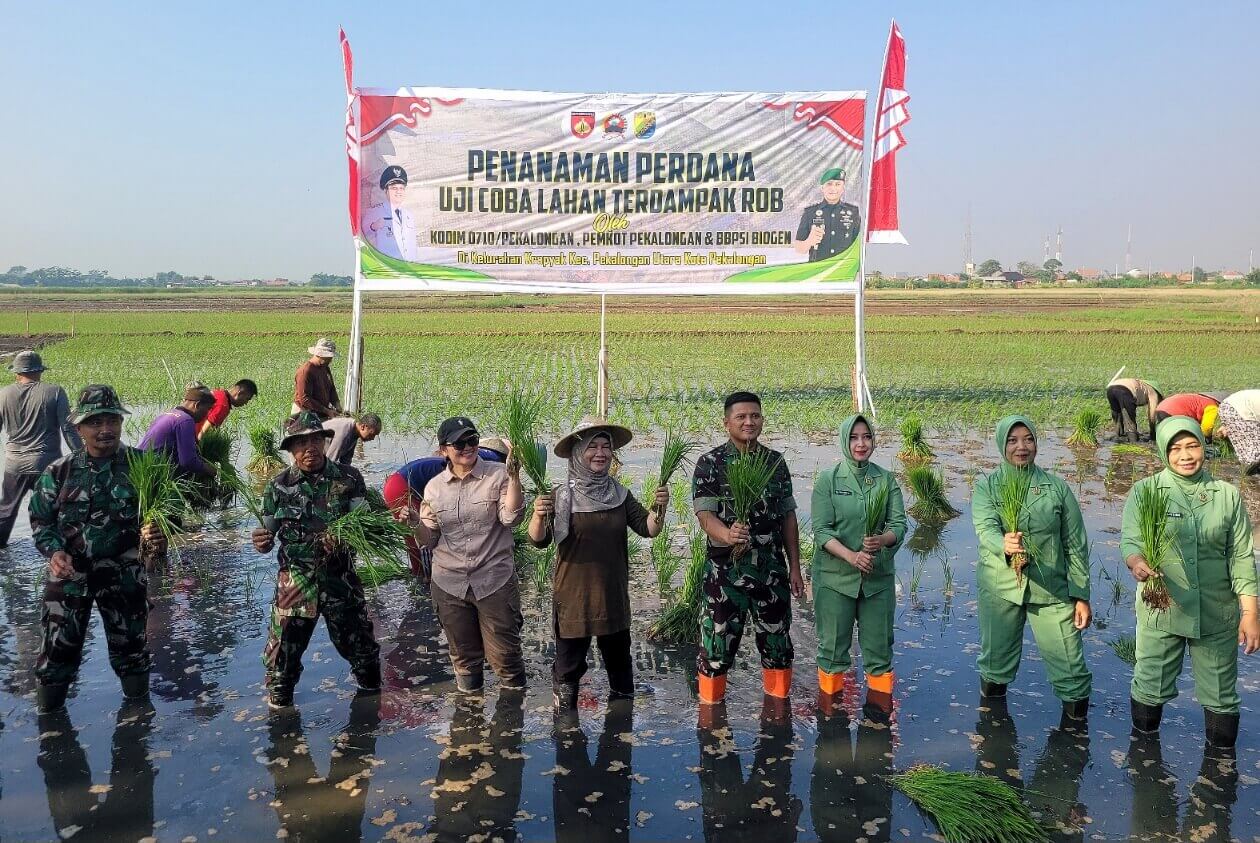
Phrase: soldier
(763,580)
(829,228)
(315,578)
(85,519)
(387,225)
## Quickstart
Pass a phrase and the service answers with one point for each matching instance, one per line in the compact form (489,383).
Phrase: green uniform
(88,508)
(1214,565)
(297,507)
(1057,575)
(757,582)
(844,595)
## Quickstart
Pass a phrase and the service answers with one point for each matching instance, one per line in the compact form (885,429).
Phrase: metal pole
(355,361)
(602,389)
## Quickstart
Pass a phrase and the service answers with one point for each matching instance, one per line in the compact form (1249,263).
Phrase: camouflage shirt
(297,507)
(711,493)
(87,507)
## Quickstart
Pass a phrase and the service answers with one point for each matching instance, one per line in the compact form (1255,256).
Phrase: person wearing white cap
(36,416)
(313,387)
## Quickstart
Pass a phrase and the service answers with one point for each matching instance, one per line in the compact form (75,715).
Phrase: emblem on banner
(582,123)
(614,124)
(644,124)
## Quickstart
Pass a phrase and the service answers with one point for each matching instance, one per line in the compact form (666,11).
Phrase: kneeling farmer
(85,518)
(316,578)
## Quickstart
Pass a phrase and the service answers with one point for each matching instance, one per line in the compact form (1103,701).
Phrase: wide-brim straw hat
(620,436)
(496,444)
(1218,397)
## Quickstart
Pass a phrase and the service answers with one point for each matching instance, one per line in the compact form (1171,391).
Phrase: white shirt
(1247,403)
(395,235)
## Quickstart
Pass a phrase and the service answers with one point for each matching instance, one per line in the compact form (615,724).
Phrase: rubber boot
(369,678)
(830,692)
(279,699)
(564,695)
(777,683)
(775,710)
(879,697)
(1076,709)
(1222,729)
(469,683)
(992,689)
(51,697)
(712,689)
(1145,717)
(712,716)
(136,685)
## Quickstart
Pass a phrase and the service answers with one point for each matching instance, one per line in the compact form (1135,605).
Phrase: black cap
(454,429)
(741,398)
(393,174)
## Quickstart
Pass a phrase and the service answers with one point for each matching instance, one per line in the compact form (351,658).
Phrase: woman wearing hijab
(1051,593)
(854,574)
(1211,578)
(587,519)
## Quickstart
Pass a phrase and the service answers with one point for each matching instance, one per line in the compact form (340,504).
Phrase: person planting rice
(1240,424)
(405,487)
(1203,407)
(85,519)
(349,431)
(175,433)
(754,565)
(1125,395)
(466,517)
(313,387)
(1023,514)
(1209,574)
(859,522)
(587,518)
(317,576)
(225,400)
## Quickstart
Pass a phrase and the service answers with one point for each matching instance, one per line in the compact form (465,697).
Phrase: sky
(207,138)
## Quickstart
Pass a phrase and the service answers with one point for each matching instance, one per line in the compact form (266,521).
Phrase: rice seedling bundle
(373,536)
(521,428)
(266,458)
(876,503)
(748,477)
(928,486)
(674,454)
(162,497)
(1125,648)
(1126,449)
(541,565)
(665,561)
(914,449)
(216,446)
(680,622)
(1012,491)
(970,807)
(1085,427)
(1155,542)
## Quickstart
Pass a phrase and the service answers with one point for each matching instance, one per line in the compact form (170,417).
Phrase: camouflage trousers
(120,591)
(758,585)
(338,598)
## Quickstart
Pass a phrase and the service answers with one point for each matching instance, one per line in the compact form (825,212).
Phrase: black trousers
(13,489)
(570,664)
(1124,412)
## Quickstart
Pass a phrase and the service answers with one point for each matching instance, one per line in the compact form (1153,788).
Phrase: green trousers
(1058,641)
(834,616)
(1213,658)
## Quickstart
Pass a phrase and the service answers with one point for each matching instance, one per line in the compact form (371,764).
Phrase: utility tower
(969,267)
(1058,245)
(1128,251)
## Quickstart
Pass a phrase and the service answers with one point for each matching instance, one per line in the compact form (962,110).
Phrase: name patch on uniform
(843,492)
(1174,515)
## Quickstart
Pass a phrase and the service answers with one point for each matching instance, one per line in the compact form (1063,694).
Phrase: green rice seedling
(916,579)
(1125,648)
(680,622)
(541,565)
(266,458)
(1155,542)
(634,546)
(914,448)
(373,536)
(1126,449)
(1012,491)
(680,498)
(216,447)
(666,563)
(970,807)
(674,454)
(947,576)
(748,477)
(806,528)
(876,504)
(1085,427)
(521,426)
(928,486)
(162,497)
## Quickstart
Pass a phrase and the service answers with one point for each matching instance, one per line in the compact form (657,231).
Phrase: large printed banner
(609,193)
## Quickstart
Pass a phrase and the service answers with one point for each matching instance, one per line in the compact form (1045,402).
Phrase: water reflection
(1209,810)
(1055,786)
(314,807)
(592,801)
(20,589)
(850,796)
(120,810)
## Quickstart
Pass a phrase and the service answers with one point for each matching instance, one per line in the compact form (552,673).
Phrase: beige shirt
(1246,403)
(473,527)
(1142,391)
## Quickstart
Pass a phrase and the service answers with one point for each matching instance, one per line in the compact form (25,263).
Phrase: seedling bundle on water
(1085,427)
(914,450)
(928,486)
(1013,485)
(1155,542)
(162,497)
(266,458)
(749,476)
(1125,648)
(970,807)
(216,446)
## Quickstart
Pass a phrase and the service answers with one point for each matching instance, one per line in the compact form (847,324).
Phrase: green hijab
(1004,426)
(1168,430)
(846,430)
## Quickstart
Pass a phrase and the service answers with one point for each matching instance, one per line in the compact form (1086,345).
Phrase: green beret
(833,173)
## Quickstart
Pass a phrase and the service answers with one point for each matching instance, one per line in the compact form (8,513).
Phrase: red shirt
(219,412)
(1186,404)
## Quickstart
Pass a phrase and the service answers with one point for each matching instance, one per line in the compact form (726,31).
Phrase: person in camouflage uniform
(315,578)
(85,518)
(762,581)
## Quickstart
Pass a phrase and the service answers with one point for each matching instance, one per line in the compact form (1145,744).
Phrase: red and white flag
(352,134)
(891,115)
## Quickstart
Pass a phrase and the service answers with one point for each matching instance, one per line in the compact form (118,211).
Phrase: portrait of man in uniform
(830,227)
(388,226)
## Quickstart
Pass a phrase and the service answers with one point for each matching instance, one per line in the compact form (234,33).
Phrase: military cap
(302,424)
(97,399)
(27,363)
(393,175)
(833,173)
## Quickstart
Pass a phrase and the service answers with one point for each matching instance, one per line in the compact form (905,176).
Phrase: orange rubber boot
(712,689)
(777,683)
(830,691)
(879,696)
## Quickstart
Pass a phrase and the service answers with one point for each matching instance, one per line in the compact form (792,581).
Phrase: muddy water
(209,762)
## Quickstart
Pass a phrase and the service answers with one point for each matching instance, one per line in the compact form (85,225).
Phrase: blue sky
(207,138)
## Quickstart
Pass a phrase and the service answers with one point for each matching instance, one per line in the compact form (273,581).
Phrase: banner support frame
(354,362)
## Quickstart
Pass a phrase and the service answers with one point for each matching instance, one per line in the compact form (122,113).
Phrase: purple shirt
(175,432)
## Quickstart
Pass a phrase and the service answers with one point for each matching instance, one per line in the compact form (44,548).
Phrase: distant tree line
(60,276)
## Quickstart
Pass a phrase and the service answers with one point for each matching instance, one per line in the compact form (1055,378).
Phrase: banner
(471,190)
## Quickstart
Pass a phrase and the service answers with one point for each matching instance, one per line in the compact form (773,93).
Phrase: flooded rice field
(209,762)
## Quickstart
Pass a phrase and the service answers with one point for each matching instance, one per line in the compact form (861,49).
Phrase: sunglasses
(466,443)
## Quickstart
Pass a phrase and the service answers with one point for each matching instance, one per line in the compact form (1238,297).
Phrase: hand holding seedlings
(737,535)
(61,565)
(263,539)
(1139,569)
(1013,543)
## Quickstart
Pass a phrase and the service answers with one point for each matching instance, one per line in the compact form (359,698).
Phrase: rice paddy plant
(541,565)
(1085,427)
(680,499)
(914,448)
(680,622)
(1127,449)
(947,576)
(970,807)
(748,477)
(806,529)
(916,579)
(521,426)
(928,486)
(1125,648)
(665,561)
(1155,542)
(674,454)
(876,504)
(162,497)
(374,537)
(634,546)
(1013,485)
(266,458)
(216,447)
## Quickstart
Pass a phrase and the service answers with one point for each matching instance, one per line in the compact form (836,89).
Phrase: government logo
(582,123)
(614,124)
(644,124)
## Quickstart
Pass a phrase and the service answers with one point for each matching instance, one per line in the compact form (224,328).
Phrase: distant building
(1003,279)
(1186,277)
(1090,274)
(1232,275)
